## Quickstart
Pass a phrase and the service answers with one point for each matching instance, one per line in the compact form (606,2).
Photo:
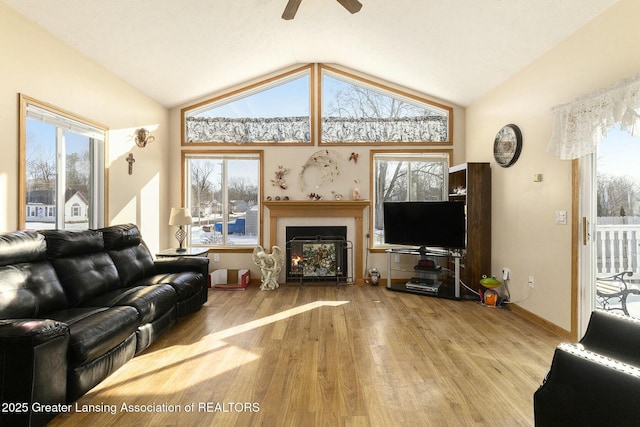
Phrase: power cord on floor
(470,289)
(507,300)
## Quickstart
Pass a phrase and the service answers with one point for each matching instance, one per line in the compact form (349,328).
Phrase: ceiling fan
(290,10)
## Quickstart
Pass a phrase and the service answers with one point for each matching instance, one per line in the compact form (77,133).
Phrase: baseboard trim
(542,322)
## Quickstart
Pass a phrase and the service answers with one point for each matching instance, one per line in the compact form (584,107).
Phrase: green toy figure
(490,296)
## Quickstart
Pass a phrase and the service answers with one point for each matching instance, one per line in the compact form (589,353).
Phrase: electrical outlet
(505,273)
(531,282)
(216,257)
(561,217)
(397,258)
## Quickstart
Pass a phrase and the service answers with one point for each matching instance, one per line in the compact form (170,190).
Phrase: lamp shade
(180,216)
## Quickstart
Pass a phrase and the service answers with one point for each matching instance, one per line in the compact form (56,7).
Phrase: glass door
(617,231)
(610,228)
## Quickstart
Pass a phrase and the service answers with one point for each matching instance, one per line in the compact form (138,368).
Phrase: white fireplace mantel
(323,209)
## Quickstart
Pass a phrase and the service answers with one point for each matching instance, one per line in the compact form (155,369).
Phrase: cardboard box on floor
(228,279)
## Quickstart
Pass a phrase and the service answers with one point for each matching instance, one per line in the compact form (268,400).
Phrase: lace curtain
(400,129)
(244,130)
(578,127)
(298,129)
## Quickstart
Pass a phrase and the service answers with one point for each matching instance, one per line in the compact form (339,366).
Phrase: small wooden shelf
(476,179)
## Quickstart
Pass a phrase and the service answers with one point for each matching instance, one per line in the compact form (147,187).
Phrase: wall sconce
(180,217)
(143,137)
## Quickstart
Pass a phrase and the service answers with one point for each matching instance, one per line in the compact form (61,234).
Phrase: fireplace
(280,211)
(317,254)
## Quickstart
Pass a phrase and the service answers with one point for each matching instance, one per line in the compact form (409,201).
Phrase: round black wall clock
(507,145)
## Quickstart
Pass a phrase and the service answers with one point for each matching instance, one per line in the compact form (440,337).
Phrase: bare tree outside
(356,101)
(41,174)
(203,189)
(356,112)
(618,195)
(406,181)
(243,194)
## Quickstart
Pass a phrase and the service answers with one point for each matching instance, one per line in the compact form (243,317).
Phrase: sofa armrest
(33,370)
(614,335)
(585,388)
(30,331)
(176,265)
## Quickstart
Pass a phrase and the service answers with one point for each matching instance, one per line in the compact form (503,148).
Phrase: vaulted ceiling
(179,50)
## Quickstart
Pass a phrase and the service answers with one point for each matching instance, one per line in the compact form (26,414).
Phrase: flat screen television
(425,224)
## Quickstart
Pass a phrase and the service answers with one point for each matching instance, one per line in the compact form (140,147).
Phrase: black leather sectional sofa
(77,305)
(595,382)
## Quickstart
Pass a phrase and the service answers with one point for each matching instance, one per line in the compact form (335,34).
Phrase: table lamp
(180,217)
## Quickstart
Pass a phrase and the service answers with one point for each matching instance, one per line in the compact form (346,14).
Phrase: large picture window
(223,190)
(62,169)
(406,176)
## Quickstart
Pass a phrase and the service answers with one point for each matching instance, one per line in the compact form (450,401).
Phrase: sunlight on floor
(273,318)
(227,357)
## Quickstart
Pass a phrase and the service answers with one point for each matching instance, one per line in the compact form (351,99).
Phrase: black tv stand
(431,278)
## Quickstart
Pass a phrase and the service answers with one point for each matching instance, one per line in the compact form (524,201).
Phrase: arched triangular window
(356,110)
(277,110)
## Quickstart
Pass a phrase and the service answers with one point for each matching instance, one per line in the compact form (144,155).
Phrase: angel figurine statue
(270,266)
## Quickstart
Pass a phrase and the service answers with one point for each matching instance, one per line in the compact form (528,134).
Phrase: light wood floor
(323,355)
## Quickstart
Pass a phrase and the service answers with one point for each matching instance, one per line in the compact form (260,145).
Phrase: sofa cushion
(186,283)
(30,290)
(85,277)
(29,286)
(84,269)
(133,263)
(128,252)
(151,302)
(121,236)
(22,246)
(95,331)
(82,378)
(64,243)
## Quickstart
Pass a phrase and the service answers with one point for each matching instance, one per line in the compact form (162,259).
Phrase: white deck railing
(617,248)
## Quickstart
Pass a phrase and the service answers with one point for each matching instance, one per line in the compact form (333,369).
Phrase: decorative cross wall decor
(131,161)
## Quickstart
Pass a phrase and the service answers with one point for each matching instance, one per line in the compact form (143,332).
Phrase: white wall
(525,237)
(37,65)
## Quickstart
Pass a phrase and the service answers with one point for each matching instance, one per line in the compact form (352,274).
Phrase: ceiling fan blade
(352,6)
(291,9)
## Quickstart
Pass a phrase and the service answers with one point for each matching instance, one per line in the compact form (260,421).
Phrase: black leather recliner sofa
(595,382)
(77,305)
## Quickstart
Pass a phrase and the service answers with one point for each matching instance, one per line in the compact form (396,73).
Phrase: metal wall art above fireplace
(317,254)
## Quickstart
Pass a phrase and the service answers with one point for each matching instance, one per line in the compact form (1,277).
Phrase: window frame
(448,152)
(66,120)
(260,175)
(248,89)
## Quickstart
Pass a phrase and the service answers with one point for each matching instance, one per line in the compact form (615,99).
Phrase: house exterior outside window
(223,191)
